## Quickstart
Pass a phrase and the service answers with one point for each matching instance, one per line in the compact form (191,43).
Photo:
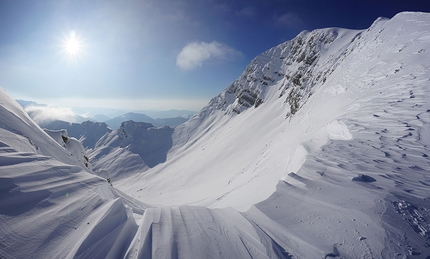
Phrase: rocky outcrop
(294,67)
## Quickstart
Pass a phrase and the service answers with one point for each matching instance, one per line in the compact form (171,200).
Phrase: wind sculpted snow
(87,132)
(320,149)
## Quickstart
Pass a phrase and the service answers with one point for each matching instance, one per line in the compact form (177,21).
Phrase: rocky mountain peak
(293,67)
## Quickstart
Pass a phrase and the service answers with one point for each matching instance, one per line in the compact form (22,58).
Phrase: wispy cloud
(195,54)
(248,12)
(43,114)
(289,20)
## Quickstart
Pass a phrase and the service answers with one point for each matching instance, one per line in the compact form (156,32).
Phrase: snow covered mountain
(320,149)
(133,148)
(115,123)
(72,145)
(326,134)
(87,132)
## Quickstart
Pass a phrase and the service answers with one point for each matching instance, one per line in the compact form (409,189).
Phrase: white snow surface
(320,149)
(134,147)
(72,145)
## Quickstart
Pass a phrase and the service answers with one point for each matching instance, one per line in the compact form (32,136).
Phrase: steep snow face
(133,148)
(20,132)
(72,145)
(87,132)
(291,72)
(296,67)
(245,137)
(299,96)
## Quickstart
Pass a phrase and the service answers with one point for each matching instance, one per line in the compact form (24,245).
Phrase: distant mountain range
(138,117)
(45,115)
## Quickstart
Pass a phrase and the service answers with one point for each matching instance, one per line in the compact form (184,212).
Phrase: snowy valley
(320,149)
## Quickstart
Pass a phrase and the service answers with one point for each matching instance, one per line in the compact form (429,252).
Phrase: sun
(72,45)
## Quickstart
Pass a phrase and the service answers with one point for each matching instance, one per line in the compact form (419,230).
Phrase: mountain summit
(320,149)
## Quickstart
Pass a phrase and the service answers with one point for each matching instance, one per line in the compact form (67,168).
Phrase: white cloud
(42,114)
(196,53)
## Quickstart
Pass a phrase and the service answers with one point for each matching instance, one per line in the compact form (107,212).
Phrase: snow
(50,204)
(188,232)
(320,149)
(72,145)
(251,149)
(134,147)
(88,132)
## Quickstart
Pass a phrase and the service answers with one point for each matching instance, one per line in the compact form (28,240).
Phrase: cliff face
(296,67)
(294,70)
(291,72)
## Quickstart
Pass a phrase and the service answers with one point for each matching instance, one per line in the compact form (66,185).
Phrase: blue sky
(155,54)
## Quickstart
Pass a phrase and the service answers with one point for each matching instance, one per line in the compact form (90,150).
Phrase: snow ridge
(133,148)
(293,66)
(291,71)
(71,144)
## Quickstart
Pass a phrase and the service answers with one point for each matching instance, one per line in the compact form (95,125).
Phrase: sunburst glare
(72,45)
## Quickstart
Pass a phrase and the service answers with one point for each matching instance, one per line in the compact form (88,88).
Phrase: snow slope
(131,149)
(72,145)
(242,139)
(320,149)
(51,205)
(87,132)
(348,139)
